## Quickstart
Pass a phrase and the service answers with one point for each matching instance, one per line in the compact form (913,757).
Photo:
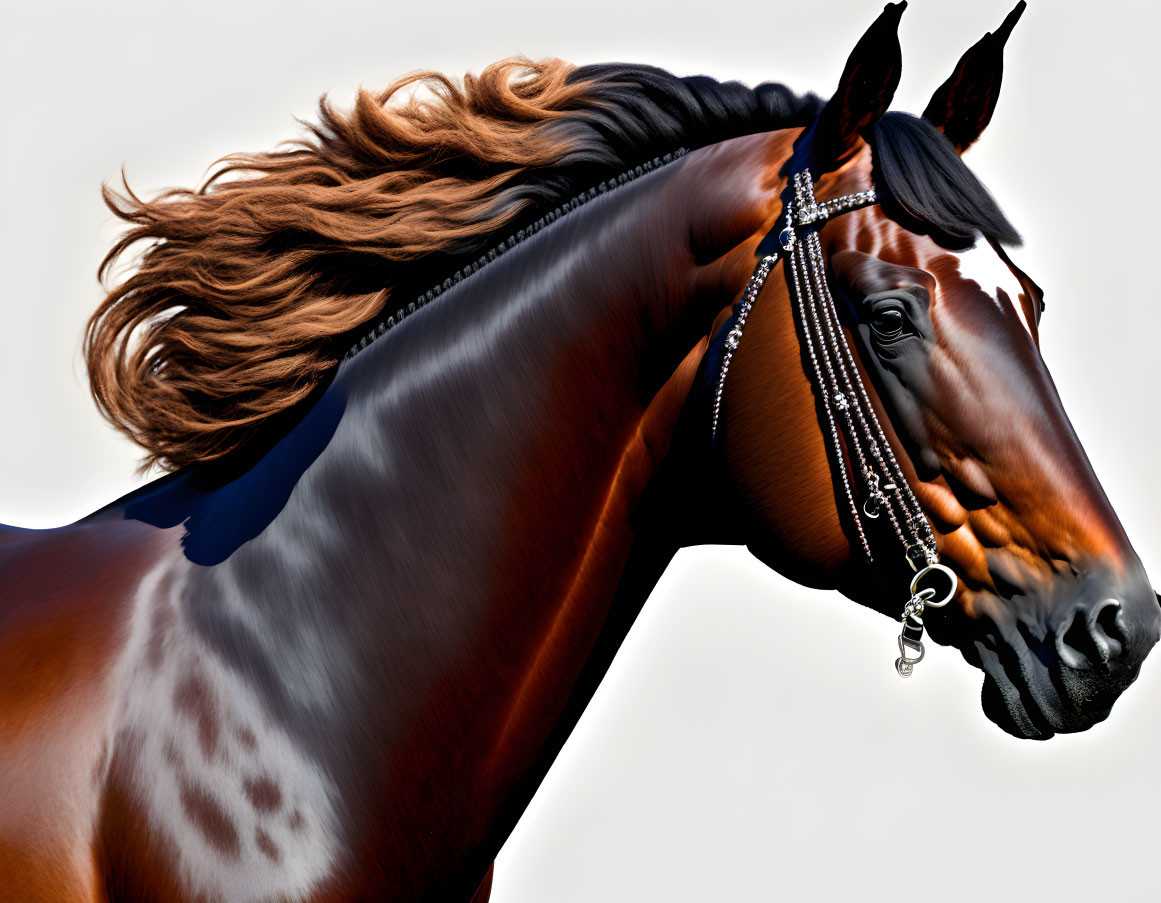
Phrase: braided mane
(250,289)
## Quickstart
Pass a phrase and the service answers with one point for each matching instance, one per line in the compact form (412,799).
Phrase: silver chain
(847,403)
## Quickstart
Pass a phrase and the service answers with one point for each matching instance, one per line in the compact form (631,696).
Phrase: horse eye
(887,323)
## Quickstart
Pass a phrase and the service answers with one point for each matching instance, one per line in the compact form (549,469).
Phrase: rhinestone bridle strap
(869,458)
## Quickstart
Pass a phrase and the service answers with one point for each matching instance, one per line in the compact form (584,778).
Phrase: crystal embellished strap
(734,336)
(866,464)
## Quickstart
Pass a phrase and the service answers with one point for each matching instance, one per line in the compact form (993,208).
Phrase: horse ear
(864,92)
(964,104)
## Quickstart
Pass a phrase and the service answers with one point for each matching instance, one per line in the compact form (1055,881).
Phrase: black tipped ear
(864,92)
(963,105)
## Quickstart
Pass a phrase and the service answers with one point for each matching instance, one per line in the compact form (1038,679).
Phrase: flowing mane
(252,287)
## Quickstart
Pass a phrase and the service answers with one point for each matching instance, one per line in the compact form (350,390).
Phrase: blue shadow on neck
(223,505)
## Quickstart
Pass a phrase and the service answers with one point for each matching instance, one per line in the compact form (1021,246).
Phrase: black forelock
(925,186)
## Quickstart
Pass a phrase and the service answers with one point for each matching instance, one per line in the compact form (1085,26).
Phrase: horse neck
(490,494)
(591,333)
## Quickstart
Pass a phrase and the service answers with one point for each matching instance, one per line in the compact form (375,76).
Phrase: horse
(437,388)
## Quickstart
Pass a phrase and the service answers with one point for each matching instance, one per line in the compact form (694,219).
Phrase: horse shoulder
(65,600)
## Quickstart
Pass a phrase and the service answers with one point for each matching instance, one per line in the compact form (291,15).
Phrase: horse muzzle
(1062,671)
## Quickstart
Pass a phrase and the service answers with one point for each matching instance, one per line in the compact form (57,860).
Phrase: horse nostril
(1110,621)
(1093,636)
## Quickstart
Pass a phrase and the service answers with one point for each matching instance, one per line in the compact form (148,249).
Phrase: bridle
(884,489)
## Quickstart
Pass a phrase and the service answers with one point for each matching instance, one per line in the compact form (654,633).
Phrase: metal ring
(944,569)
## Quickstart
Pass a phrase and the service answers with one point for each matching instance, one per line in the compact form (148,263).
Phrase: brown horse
(333,655)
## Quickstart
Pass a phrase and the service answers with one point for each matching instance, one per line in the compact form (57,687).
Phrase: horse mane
(250,288)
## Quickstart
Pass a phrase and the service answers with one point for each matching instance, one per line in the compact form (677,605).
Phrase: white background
(752,741)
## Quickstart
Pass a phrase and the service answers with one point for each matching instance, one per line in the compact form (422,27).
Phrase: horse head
(1052,602)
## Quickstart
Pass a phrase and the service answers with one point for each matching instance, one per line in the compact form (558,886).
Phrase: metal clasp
(911,636)
(905,664)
